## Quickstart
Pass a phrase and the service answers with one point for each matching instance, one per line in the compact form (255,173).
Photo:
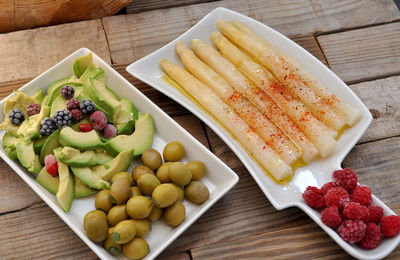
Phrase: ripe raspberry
(331,217)
(345,178)
(375,214)
(85,128)
(51,164)
(390,225)
(362,195)
(314,197)
(67,91)
(354,210)
(73,104)
(33,109)
(76,115)
(336,197)
(373,236)
(352,231)
(327,186)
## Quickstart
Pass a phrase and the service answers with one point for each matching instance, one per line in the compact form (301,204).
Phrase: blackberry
(47,126)
(73,104)
(62,118)
(76,115)
(67,92)
(16,116)
(33,109)
(87,107)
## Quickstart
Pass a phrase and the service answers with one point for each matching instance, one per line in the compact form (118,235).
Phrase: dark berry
(85,128)
(98,120)
(331,217)
(47,126)
(16,116)
(373,236)
(314,197)
(76,115)
(62,118)
(354,210)
(362,195)
(67,91)
(336,197)
(390,225)
(87,107)
(109,131)
(375,214)
(51,164)
(33,109)
(352,231)
(73,104)
(346,179)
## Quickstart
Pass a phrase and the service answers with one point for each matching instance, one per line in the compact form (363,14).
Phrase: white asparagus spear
(253,117)
(319,134)
(230,120)
(349,113)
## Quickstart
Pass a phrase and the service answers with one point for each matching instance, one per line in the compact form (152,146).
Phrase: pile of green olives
(124,214)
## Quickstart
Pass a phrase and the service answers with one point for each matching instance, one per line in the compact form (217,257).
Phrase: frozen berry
(327,186)
(375,214)
(352,231)
(16,116)
(345,178)
(33,109)
(62,118)
(373,236)
(76,115)
(98,120)
(87,107)
(47,126)
(331,217)
(109,131)
(51,164)
(362,195)
(354,210)
(390,225)
(73,104)
(314,197)
(336,196)
(85,128)
(67,91)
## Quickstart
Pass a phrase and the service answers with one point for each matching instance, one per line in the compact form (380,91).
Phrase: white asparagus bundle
(230,120)
(253,117)
(320,135)
(287,69)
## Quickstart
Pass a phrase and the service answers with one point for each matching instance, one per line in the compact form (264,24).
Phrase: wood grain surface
(138,6)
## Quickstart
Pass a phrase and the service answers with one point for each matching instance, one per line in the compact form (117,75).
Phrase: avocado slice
(9,140)
(30,128)
(49,182)
(11,153)
(81,64)
(81,189)
(38,96)
(61,103)
(75,158)
(91,179)
(56,92)
(139,141)
(80,140)
(118,164)
(51,143)
(38,144)
(27,157)
(126,117)
(60,82)
(66,189)
(113,94)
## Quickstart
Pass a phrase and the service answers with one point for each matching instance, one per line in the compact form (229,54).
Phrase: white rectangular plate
(316,173)
(219,177)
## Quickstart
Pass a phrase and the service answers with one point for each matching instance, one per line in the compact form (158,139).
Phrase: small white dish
(219,177)
(316,173)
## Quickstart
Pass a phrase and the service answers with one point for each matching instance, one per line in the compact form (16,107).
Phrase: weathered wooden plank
(179,256)
(365,53)
(146,5)
(26,54)
(133,36)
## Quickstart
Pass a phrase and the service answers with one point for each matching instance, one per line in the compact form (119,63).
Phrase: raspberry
(373,236)
(390,225)
(327,186)
(16,116)
(345,178)
(375,214)
(336,197)
(352,230)
(362,195)
(67,92)
(98,120)
(33,109)
(109,131)
(331,217)
(85,128)
(76,115)
(73,104)
(354,210)
(51,164)
(314,197)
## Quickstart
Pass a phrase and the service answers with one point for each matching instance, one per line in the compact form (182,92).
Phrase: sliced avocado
(60,82)
(29,129)
(38,144)
(66,189)
(113,94)
(51,143)
(118,164)
(86,175)
(81,189)
(81,64)
(74,157)
(139,141)
(126,118)
(38,96)
(80,140)
(49,182)
(9,140)
(58,104)
(11,153)
(56,92)
(27,157)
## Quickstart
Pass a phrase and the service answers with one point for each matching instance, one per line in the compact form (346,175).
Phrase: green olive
(164,195)
(124,231)
(110,230)
(124,175)
(180,174)
(180,191)
(197,168)
(138,207)
(117,214)
(175,214)
(143,227)
(155,214)
(162,173)
(120,190)
(111,247)
(135,191)
(152,159)
(103,201)
(173,152)
(95,224)
(147,183)
(139,171)
(136,249)
(197,192)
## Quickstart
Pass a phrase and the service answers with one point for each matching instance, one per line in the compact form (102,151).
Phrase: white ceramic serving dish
(219,177)
(316,173)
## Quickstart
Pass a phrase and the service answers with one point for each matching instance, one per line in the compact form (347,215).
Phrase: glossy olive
(180,174)
(111,247)
(197,168)
(147,183)
(180,191)
(95,225)
(136,249)
(143,227)
(120,191)
(173,152)
(139,171)
(138,207)
(175,214)
(164,195)
(124,175)
(155,214)
(103,201)
(124,231)
(197,192)
(152,159)
(117,214)
(163,173)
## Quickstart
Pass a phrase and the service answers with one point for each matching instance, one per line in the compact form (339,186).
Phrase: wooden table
(358,40)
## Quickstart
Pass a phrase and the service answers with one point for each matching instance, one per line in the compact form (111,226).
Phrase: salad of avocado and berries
(76,135)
